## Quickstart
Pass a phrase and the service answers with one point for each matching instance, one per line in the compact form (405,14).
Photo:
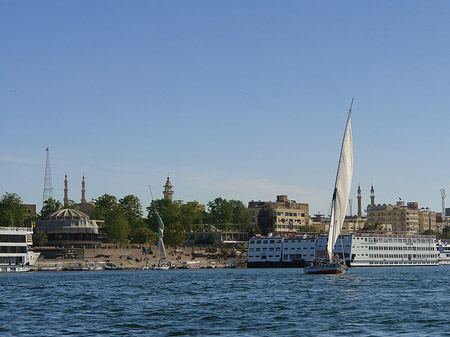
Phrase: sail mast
(342,187)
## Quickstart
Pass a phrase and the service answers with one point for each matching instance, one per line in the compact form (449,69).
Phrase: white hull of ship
(30,259)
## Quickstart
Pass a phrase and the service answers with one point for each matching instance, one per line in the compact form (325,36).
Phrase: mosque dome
(68,214)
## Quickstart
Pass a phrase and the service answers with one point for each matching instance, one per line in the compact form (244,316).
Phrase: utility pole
(48,189)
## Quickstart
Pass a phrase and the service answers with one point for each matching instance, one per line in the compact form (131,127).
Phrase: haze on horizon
(240,100)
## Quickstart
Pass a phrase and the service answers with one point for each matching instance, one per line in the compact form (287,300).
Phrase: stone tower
(372,196)
(83,191)
(66,191)
(359,202)
(168,193)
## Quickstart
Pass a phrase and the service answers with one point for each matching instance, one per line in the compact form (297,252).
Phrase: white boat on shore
(15,249)
(193,264)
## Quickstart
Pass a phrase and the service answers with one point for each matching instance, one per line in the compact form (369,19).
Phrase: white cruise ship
(444,252)
(360,250)
(15,251)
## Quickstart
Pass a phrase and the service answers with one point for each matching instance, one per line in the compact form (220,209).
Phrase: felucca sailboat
(338,207)
(163,264)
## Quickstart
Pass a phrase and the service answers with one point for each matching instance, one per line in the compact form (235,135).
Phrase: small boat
(339,202)
(163,264)
(211,265)
(193,264)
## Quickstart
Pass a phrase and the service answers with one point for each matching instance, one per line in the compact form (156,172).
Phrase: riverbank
(134,258)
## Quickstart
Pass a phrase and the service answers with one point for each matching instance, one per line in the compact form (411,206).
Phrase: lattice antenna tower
(48,189)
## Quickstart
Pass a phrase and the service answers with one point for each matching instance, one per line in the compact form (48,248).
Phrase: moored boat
(15,249)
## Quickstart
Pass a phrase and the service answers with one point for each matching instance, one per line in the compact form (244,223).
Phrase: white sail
(160,244)
(342,187)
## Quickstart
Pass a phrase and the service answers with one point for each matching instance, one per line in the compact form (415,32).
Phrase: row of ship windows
(258,256)
(271,249)
(397,248)
(394,240)
(258,242)
(13,249)
(402,262)
(400,256)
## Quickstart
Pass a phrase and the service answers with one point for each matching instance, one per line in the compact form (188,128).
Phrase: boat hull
(329,268)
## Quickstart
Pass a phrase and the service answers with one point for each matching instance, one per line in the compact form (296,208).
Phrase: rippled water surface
(227,302)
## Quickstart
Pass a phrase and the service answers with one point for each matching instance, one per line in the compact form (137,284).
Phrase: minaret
(66,192)
(359,202)
(83,191)
(168,193)
(372,196)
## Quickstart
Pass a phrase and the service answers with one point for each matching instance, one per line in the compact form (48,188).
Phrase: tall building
(403,218)
(290,215)
(168,193)
(427,220)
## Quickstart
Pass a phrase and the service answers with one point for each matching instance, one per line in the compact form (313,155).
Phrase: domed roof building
(70,228)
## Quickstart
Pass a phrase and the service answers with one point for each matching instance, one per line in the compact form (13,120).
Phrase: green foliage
(40,239)
(133,209)
(11,210)
(307,229)
(372,227)
(50,206)
(445,233)
(241,214)
(104,206)
(71,204)
(191,214)
(143,235)
(170,213)
(222,211)
(174,234)
(118,226)
(266,219)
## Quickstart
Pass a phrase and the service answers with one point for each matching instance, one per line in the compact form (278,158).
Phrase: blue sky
(239,99)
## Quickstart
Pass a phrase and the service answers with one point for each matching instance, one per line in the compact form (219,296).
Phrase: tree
(132,207)
(50,206)
(241,214)
(169,211)
(40,239)
(104,206)
(191,214)
(266,219)
(221,211)
(118,226)
(143,235)
(174,234)
(12,212)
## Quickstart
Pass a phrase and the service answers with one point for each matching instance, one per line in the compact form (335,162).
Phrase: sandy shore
(135,258)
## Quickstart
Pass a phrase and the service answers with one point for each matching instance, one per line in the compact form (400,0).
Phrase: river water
(408,301)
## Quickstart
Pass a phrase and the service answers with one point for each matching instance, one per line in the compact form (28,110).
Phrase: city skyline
(236,100)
